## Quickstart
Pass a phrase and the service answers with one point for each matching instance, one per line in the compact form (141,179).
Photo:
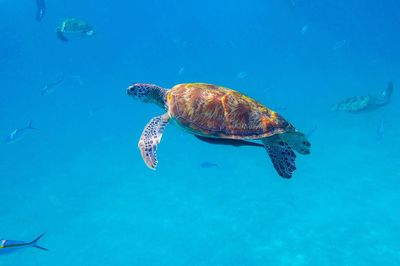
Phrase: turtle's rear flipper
(151,137)
(282,156)
(61,35)
(297,141)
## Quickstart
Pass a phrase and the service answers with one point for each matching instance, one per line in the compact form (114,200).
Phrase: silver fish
(18,133)
(207,164)
(304,29)
(380,131)
(9,246)
(339,44)
(50,87)
(40,9)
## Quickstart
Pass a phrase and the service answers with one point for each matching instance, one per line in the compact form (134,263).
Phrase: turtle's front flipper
(150,138)
(282,156)
(61,35)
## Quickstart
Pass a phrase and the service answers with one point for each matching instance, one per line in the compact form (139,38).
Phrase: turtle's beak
(128,90)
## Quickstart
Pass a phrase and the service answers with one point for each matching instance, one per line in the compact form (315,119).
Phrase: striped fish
(8,246)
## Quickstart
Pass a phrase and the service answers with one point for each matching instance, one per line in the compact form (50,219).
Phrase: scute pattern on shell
(72,25)
(353,104)
(220,112)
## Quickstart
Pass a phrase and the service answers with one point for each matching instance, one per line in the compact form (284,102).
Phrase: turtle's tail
(61,35)
(387,94)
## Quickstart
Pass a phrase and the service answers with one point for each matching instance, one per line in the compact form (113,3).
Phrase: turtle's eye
(141,91)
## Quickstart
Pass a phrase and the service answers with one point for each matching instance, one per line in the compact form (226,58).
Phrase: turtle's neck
(158,96)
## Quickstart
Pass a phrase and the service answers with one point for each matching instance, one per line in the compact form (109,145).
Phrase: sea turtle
(221,115)
(74,26)
(363,104)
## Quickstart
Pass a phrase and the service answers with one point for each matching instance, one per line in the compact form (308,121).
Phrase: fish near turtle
(364,104)
(10,246)
(73,26)
(40,9)
(220,115)
(18,133)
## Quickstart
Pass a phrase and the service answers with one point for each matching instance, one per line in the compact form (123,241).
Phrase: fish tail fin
(30,125)
(39,247)
(61,36)
(35,245)
(387,93)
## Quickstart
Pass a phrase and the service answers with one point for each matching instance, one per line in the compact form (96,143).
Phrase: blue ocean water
(79,175)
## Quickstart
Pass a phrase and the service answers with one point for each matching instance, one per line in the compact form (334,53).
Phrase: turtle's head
(141,91)
(147,93)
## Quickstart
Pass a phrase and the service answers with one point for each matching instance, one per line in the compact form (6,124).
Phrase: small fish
(339,44)
(207,164)
(50,87)
(40,9)
(77,79)
(304,29)
(181,71)
(242,75)
(9,246)
(94,110)
(17,134)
